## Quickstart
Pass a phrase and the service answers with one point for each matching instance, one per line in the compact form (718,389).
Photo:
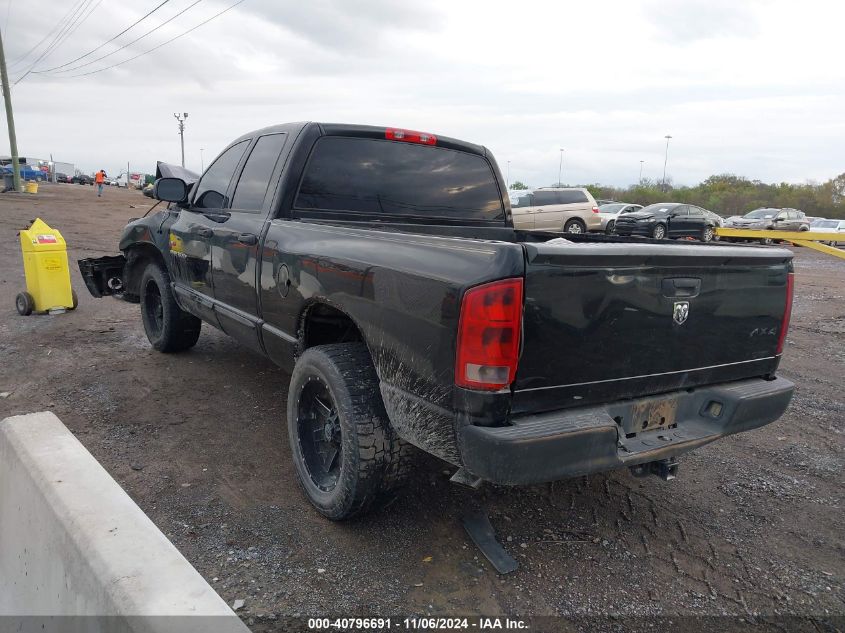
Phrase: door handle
(205,232)
(248,238)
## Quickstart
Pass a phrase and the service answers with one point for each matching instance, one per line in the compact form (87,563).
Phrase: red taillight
(595,209)
(410,136)
(787,311)
(488,335)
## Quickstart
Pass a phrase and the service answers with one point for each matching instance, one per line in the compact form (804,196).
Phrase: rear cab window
(375,179)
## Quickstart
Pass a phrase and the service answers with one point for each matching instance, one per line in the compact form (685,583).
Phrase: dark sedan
(667,219)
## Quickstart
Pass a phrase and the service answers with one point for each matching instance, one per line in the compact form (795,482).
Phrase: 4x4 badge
(681,312)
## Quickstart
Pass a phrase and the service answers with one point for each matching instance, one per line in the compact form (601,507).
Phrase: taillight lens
(787,311)
(410,136)
(595,209)
(488,335)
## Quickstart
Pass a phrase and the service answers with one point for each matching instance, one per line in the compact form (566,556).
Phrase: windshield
(663,207)
(611,208)
(762,214)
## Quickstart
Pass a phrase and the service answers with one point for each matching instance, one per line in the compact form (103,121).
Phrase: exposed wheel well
(322,324)
(137,259)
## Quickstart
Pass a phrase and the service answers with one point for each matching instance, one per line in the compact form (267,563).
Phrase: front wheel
(658,232)
(766,240)
(575,226)
(611,226)
(168,327)
(345,452)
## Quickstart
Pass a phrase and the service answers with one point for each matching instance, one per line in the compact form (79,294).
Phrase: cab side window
(211,189)
(255,178)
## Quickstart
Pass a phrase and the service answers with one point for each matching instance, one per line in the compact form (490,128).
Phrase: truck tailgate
(606,321)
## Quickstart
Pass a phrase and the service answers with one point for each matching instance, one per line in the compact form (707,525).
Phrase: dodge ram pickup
(380,266)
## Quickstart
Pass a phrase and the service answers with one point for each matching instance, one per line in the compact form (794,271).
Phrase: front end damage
(104,275)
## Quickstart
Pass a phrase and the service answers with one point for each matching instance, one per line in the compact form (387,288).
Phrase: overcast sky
(752,87)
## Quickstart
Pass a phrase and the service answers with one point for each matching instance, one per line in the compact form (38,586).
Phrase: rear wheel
(168,327)
(575,226)
(24,303)
(345,453)
(766,240)
(707,234)
(658,232)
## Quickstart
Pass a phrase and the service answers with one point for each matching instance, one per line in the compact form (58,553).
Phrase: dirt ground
(753,526)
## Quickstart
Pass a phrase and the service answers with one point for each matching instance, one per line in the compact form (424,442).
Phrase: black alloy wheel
(320,434)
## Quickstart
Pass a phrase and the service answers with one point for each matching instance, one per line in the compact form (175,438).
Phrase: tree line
(727,194)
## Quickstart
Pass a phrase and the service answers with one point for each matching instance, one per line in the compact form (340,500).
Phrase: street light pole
(181,118)
(508,177)
(202,162)
(10,120)
(641,170)
(560,168)
(665,160)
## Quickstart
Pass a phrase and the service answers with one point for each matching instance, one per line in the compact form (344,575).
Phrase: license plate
(654,413)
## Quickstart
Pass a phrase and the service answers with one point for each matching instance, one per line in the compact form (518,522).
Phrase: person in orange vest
(100,178)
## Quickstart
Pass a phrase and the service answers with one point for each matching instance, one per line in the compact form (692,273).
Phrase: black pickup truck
(380,265)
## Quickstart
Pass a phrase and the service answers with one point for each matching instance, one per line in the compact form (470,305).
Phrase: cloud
(606,81)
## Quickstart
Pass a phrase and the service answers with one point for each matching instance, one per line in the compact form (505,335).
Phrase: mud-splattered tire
(168,327)
(345,453)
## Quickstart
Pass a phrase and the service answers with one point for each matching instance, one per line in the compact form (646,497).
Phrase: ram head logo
(680,312)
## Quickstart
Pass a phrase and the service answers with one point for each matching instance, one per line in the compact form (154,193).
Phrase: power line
(62,20)
(69,28)
(155,48)
(137,39)
(73,61)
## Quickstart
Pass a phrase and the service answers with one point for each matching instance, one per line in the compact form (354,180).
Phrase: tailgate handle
(681,287)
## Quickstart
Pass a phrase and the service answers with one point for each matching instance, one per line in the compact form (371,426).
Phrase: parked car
(148,190)
(382,267)
(667,219)
(610,210)
(769,219)
(571,210)
(835,227)
(82,179)
(28,172)
(60,177)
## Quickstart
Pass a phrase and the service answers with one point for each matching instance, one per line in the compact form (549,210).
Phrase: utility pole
(641,170)
(560,168)
(665,160)
(181,118)
(508,177)
(202,162)
(10,119)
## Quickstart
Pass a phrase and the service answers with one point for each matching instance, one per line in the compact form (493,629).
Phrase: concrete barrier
(76,553)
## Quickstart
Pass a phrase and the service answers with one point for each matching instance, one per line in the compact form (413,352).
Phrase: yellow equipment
(47,274)
(31,187)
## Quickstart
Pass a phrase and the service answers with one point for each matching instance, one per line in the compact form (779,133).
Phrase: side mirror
(170,190)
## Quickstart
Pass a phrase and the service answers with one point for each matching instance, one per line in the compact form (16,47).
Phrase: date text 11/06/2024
(417,624)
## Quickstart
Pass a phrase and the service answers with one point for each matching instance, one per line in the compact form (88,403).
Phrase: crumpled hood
(167,170)
(637,215)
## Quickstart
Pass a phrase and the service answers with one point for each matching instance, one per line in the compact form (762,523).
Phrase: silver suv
(571,210)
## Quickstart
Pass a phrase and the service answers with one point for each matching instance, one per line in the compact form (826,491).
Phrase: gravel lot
(753,526)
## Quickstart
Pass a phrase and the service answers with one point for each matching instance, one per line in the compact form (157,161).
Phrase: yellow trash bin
(47,273)
(31,187)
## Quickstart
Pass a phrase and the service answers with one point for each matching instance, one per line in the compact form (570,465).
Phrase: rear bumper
(564,444)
